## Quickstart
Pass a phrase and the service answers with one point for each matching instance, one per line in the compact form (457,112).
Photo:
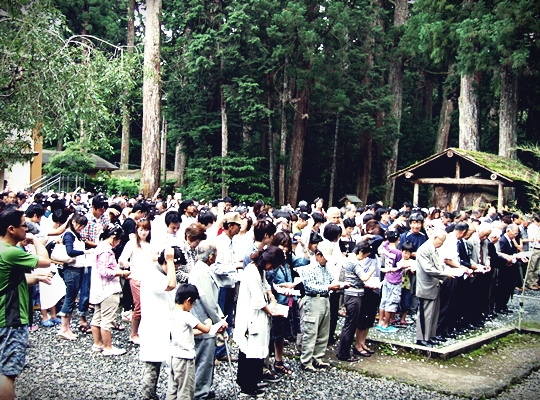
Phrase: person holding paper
(207,307)
(282,277)
(429,273)
(253,316)
(318,282)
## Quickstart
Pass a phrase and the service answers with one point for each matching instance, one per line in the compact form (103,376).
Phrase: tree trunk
(445,118)
(428,96)
(364,171)
(163,166)
(272,155)
(395,82)
(297,147)
(508,114)
(150,157)
(224,143)
(60,142)
(124,149)
(333,170)
(179,164)
(469,129)
(283,140)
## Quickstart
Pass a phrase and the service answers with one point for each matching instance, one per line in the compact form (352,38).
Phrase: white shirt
(182,339)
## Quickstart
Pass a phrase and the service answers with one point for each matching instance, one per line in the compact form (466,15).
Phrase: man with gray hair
(207,307)
(430,272)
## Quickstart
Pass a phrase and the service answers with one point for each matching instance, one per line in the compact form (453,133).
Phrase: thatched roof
(475,163)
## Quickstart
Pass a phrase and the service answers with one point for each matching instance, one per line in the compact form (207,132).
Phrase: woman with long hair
(137,256)
(253,318)
(282,277)
(105,291)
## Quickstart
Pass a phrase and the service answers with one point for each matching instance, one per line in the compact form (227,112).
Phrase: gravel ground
(59,369)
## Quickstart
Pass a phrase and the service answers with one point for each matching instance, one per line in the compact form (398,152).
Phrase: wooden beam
(415,194)
(500,200)
(462,181)
(458,171)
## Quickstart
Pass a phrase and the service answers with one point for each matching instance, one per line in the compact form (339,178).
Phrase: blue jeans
(84,297)
(72,278)
(226,303)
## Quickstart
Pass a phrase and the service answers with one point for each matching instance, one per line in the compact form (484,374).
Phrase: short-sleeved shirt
(14,304)
(391,258)
(182,339)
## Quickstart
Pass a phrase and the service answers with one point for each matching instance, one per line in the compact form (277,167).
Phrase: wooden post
(458,172)
(500,200)
(415,194)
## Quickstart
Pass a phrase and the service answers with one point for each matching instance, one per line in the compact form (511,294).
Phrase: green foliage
(60,84)
(74,160)
(242,177)
(104,182)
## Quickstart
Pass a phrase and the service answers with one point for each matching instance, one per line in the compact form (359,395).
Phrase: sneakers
(47,323)
(113,351)
(57,321)
(97,348)
(389,329)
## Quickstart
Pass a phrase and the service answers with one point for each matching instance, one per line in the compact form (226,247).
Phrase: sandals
(118,327)
(281,368)
(86,328)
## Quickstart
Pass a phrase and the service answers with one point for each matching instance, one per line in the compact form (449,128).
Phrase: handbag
(59,254)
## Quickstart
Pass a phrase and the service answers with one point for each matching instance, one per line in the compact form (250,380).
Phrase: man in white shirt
(227,263)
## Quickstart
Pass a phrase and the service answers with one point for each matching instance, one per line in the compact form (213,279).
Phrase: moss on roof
(505,166)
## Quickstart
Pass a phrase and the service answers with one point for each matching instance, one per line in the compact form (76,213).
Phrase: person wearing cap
(318,282)
(225,269)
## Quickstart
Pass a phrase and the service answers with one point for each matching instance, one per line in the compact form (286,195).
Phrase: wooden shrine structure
(464,178)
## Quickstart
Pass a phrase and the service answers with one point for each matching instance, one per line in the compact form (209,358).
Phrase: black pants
(127,297)
(352,305)
(249,372)
(505,286)
(334,314)
(447,318)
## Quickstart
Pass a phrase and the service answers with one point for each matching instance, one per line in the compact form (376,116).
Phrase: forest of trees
(273,99)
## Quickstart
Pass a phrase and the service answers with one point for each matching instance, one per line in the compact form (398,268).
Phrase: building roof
(101,164)
(472,164)
(352,198)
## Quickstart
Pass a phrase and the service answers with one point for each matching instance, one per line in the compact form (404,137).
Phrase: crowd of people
(192,276)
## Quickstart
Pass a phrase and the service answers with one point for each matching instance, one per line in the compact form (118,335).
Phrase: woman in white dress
(158,289)
(253,317)
(137,256)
